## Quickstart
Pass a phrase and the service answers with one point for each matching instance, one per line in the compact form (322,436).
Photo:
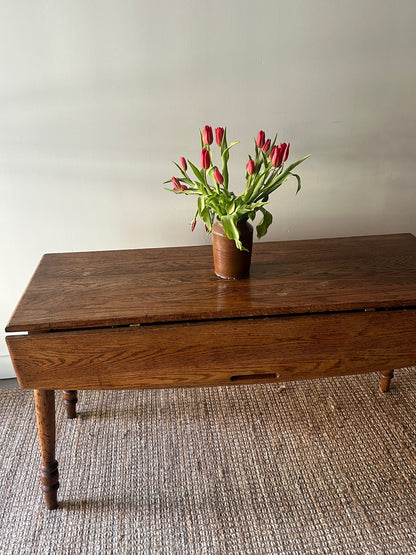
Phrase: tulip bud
(250,167)
(218,177)
(183,187)
(260,139)
(275,156)
(183,164)
(281,154)
(207,137)
(205,159)
(266,146)
(219,134)
(176,184)
(193,224)
(286,153)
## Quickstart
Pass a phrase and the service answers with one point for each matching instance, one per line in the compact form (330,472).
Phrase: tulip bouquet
(265,172)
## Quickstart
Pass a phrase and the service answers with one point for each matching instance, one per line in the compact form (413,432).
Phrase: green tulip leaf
(263,226)
(298,180)
(204,212)
(229,223)
(224,141)
(231,207)
(293,166)
(196,171)
(225,155)
(201,205)
(180,169)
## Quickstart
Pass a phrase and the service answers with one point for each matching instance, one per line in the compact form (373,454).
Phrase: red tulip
(266,146)
(281,154)
(205,159)
(261,137)
(176,184)
(219,134)
(183,187)
(250,167)
(193,224)
(207,137)
(286,153)
(274,156)
(183,164)
(283,147)
(218,177)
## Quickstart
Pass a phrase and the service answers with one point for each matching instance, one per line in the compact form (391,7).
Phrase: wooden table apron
(217,353)
(158,318)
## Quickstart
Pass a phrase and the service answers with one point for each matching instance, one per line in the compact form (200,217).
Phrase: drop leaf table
(159,318)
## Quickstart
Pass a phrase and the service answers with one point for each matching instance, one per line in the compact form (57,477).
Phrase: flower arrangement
(265,172)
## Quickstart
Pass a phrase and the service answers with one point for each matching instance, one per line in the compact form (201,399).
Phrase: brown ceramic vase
(229,261)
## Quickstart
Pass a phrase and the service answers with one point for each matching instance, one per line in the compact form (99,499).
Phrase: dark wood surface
(220,352)
(113,288)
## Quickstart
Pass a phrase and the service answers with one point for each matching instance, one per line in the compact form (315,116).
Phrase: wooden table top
(127,287)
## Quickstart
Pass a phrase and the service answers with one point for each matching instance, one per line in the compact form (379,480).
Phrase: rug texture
(325,466)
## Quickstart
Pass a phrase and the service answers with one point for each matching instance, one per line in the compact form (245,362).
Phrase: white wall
(97,98)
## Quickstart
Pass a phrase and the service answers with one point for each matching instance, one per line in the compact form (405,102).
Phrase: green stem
(225,176)
(205,182)
(248,182)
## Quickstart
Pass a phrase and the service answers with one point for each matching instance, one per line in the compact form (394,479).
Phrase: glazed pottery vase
(229,261)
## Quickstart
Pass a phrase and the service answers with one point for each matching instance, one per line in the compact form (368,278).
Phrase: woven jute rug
(325,466)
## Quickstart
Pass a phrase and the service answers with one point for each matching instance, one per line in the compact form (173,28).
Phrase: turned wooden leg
(45,416)
(70,400)
(385,378)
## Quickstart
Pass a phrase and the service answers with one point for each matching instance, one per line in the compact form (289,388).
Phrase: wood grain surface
(222,352)
(112,288)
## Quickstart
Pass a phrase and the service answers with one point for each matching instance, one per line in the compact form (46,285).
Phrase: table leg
(385,378)
(45,415)
(70,400)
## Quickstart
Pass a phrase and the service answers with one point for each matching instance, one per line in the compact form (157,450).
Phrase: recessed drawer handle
(250,377)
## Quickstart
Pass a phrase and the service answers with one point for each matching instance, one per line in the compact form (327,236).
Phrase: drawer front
(223,352)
